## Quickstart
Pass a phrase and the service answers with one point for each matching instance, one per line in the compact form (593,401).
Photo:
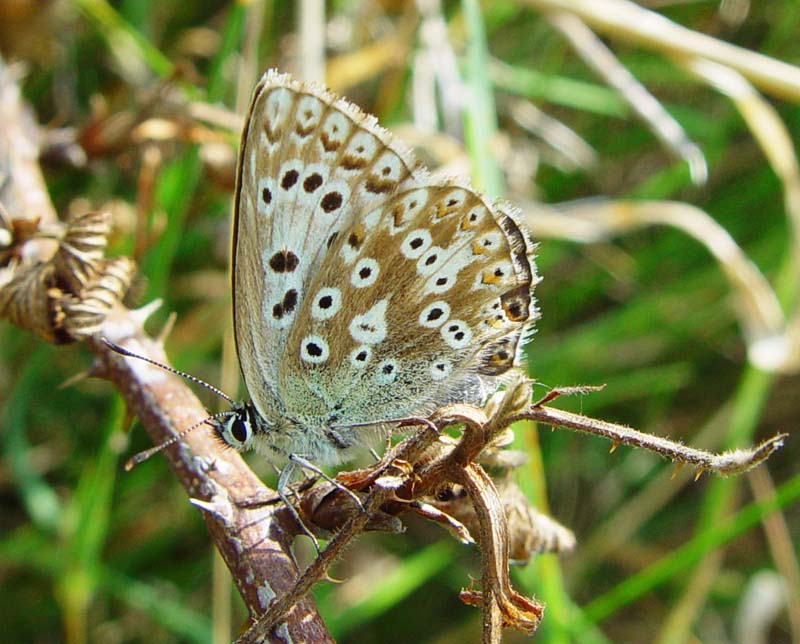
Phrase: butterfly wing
(308,166)
(421,301)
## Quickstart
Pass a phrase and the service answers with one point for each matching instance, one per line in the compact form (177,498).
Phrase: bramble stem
(723,464)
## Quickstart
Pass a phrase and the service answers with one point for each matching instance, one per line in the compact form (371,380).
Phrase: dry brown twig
(66,290)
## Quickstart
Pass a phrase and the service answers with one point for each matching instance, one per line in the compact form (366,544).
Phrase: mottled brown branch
(255,541)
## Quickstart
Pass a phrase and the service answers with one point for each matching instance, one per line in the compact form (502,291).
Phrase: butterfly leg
(284,479)
(308,465)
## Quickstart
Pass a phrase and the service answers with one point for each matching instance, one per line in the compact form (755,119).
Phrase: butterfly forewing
(308,163)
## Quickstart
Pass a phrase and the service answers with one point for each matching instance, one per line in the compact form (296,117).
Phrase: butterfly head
(238,427)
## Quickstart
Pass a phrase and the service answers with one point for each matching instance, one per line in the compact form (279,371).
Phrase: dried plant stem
(771,344)
(604,63)
(501,604)
(22,192)
(779,538)
(312,40)
(781,350)
(724,464)
(632,23)
(316,571)
(406,451)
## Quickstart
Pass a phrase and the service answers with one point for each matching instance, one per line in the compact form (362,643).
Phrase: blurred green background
(91,554)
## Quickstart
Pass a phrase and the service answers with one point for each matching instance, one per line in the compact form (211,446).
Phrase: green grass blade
(121,36)
(480,117)
(90,508)
(558,90)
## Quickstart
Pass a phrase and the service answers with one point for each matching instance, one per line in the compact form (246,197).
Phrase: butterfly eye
(237,431)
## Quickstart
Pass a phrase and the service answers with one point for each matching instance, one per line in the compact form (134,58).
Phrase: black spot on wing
(331,201)
(284,261)
(312,182)
(289,179)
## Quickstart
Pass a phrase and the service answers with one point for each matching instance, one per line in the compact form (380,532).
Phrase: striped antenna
(144,455)
(124,352)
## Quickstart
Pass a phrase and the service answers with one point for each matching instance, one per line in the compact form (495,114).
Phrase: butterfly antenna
(144,455)
(124,352)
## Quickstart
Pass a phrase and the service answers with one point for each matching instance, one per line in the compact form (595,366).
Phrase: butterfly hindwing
(416,299)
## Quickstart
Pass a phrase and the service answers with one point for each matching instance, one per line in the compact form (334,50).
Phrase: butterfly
(364,290)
